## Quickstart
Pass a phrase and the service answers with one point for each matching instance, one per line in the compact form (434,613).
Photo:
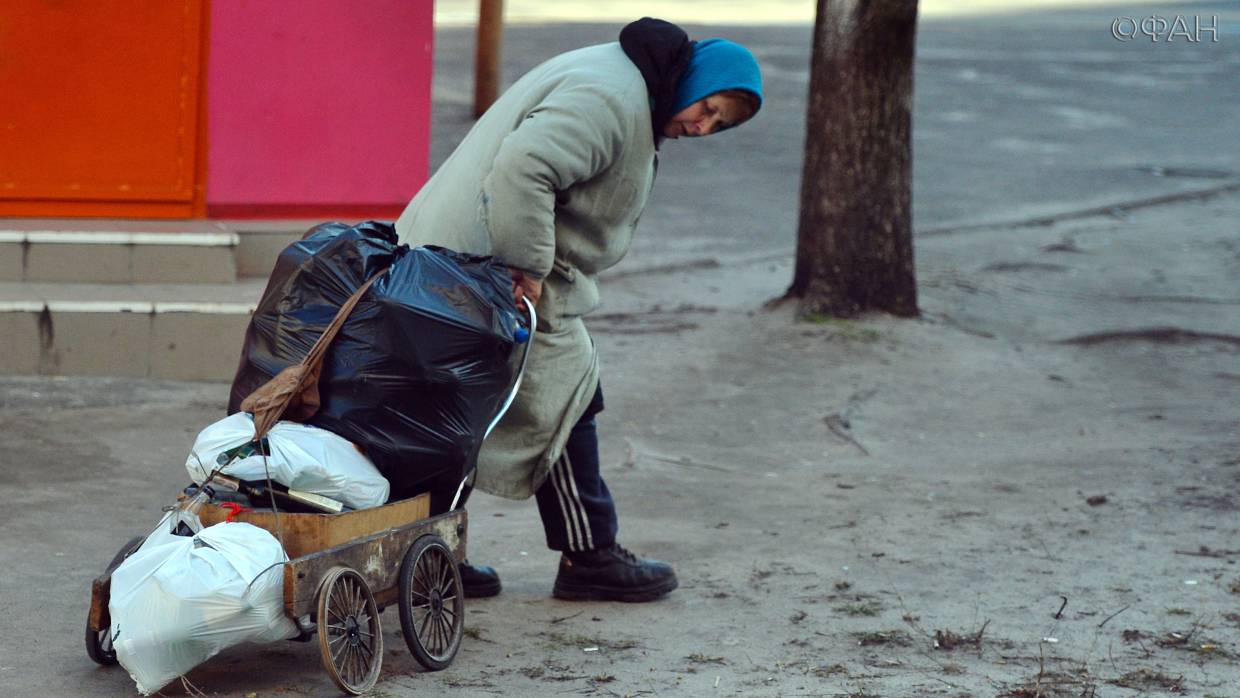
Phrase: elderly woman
(552,180)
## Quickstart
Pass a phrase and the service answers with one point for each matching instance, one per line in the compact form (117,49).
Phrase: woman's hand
(524,287)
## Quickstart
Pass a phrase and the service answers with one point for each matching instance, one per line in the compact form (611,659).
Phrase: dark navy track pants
(577,510)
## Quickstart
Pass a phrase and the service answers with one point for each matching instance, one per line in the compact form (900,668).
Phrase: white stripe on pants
(574,512)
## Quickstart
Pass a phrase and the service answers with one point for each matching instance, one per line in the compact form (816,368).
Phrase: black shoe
(479,581)
(612,574)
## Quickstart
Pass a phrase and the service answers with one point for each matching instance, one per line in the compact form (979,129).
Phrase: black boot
(479,581)
(612,574)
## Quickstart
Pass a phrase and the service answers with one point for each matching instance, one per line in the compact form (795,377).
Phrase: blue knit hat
(718,65)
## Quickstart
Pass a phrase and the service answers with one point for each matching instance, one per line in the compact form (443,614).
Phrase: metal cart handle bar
(512,395)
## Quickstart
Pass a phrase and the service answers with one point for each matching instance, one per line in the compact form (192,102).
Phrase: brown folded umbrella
(294,392)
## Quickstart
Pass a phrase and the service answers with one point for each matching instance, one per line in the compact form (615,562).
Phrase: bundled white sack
(302,458)
(180,600)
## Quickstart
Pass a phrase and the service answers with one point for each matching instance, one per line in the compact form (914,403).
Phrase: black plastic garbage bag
(422,364)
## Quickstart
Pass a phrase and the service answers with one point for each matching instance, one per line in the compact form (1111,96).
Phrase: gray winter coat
(552,180)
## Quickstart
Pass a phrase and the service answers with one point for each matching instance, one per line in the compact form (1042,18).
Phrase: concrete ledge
(178,340)
(96,344)
(126,306)
(257,250)
(196,346)
(20,343)
(182,264)
(12,260)
(84,256)
(76,262)
(200,297)
(89,237)
(214,251)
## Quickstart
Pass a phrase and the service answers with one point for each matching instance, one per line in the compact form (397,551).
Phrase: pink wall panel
(317,104)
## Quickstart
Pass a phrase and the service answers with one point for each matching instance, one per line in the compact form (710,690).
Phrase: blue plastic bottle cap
(522,335)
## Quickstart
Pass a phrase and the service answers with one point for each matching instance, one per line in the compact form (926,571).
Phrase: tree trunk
(855,238)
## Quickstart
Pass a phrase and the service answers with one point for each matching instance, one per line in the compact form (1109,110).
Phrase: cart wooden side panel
(100,589)
(310,533)
(377,558)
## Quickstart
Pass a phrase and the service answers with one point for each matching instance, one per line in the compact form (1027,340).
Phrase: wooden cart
(345,569)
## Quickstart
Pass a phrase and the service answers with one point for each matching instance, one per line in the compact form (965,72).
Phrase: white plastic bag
(302,458)
(179,601)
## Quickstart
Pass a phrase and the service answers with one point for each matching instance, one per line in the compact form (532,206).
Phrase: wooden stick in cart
(326,505)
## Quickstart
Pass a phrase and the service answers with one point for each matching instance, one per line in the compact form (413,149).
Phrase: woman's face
(705,116)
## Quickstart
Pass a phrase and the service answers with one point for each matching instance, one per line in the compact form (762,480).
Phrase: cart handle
(512,395)
(525,357)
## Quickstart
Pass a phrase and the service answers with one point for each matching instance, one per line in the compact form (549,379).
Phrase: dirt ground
(1029,491)
(1032,490)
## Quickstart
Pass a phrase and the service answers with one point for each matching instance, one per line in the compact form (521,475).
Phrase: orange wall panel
(101,106)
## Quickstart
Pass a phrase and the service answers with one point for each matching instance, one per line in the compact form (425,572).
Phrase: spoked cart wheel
(99,642)
(432,602)
(350,639)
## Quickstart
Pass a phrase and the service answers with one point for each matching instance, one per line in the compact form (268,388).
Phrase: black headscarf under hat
(661,51)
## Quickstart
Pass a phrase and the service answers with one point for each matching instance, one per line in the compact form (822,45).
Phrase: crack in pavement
(1094,211)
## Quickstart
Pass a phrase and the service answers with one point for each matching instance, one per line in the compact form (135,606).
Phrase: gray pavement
(833,493)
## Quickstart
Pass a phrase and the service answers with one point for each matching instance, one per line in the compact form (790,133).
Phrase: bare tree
(855,238)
